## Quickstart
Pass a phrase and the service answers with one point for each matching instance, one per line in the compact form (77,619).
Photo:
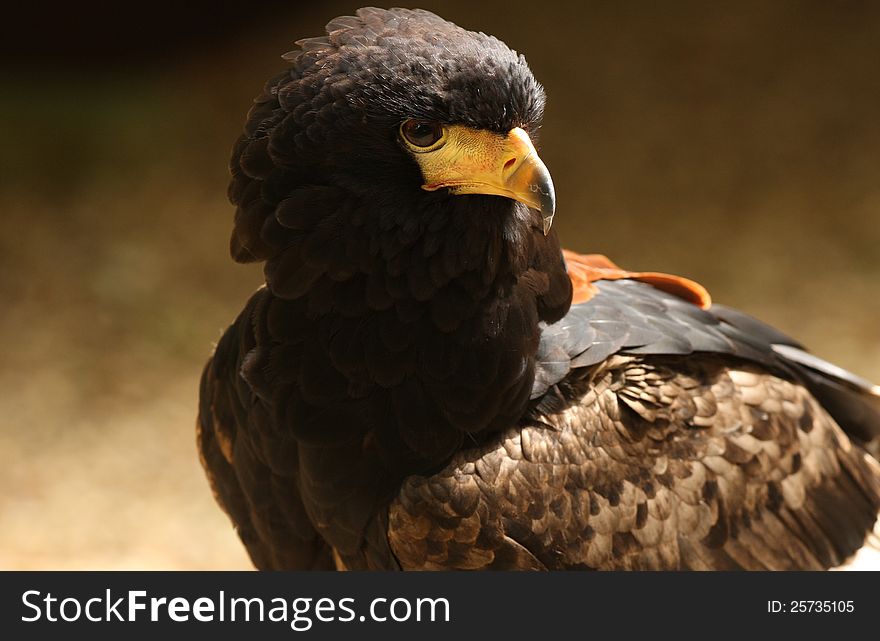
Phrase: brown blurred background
(738,144)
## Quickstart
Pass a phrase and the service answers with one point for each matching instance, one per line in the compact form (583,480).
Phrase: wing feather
(654,462)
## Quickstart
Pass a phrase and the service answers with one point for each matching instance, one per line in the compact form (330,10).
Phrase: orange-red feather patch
(584,269)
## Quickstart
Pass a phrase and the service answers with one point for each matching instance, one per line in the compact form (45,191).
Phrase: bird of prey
(428,381)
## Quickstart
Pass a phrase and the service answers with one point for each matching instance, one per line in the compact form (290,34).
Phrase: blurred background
(735,143)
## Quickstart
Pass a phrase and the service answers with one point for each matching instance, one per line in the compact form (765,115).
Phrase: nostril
(510,163)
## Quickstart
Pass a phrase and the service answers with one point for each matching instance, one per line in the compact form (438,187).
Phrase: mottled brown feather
(657,463)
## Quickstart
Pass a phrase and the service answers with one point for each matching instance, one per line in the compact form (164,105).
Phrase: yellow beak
(472,161)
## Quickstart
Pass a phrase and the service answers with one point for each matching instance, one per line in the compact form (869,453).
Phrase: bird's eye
(423,135)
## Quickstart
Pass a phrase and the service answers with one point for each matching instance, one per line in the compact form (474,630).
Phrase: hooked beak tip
(546,200)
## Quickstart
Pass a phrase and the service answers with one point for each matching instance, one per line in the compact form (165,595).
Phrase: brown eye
(422,133)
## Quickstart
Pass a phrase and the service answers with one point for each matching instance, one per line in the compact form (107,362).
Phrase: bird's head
(400,109)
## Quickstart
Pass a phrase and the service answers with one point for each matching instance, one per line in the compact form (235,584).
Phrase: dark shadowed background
(737,144)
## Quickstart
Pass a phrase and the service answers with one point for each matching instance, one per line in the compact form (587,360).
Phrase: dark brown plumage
(413,389)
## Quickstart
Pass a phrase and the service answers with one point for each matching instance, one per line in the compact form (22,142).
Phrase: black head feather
(400,63)
(333,117)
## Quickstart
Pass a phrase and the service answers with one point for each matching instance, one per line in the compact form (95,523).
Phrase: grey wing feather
(634,318)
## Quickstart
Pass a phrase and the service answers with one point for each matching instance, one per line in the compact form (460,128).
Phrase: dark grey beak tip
(547,201)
